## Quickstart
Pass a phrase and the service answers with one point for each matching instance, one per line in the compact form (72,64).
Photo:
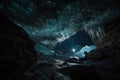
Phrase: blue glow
(86,48)
(73,50)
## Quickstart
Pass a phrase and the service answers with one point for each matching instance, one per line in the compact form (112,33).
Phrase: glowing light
(73,50)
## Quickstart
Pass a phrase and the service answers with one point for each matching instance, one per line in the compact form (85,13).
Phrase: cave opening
(76,45)
(60,39)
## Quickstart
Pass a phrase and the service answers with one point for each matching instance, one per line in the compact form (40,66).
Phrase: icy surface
(44,50)
(86,48)
(51,22)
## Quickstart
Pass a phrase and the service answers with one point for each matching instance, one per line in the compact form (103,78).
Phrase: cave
(59,39)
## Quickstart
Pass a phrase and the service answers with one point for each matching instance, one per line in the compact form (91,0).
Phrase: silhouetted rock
(80,72)
(107,59)
(104,62)
(43,71)
(17,51)
(18,57)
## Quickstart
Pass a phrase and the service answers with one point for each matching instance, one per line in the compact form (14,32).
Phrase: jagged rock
(18,57)
(17,51)
(106,59)
(43,71)
(111,29)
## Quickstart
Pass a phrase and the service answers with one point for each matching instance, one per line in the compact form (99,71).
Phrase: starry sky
(79,40)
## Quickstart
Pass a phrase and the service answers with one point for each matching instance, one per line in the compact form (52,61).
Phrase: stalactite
(101,33)
(98,36)
(90,32)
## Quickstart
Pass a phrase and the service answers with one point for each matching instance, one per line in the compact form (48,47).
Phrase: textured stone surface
(43,71)
(18,58)
(17,51)
(104,62)
(112,33)
(106,59)
(52,21)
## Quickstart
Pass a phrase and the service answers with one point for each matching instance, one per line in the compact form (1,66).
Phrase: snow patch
(86,48)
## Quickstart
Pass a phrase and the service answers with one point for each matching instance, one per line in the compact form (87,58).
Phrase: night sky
(79,40)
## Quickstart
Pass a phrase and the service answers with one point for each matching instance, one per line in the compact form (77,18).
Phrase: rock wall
(17,51)
(18,58)
(107,57)
(111,31)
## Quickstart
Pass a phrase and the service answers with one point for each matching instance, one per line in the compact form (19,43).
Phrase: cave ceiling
(53,21)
